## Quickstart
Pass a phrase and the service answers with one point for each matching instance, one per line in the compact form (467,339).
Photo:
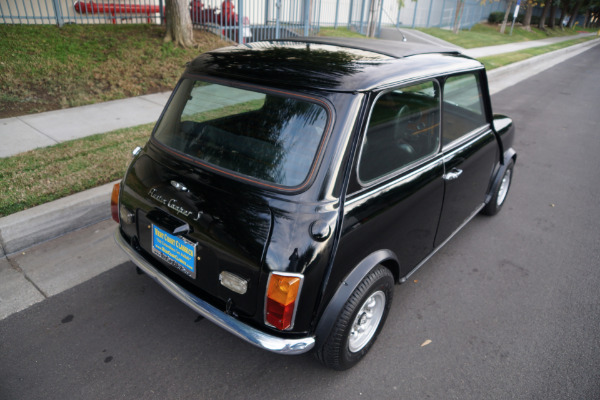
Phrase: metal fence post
(277,18)
(6,15)
(57,12)
(350,14)
(306,16)
(380,17)
(362,17)
(161,9)
(267,12)
(241,21)
(442,14)
(337,9)
(415,14)
(316,23)
(429,15)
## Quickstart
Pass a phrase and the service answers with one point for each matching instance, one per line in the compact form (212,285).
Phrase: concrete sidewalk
(510,47)
(29,132)
(36,225)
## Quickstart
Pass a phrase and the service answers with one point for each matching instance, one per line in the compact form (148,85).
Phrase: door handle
(452,175)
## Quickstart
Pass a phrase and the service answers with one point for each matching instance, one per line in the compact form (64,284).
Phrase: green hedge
(496,17)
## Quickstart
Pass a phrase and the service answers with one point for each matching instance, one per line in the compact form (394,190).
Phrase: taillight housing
(114,202)
(281,302)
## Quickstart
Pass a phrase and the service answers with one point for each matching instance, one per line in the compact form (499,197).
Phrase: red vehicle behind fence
(225,17)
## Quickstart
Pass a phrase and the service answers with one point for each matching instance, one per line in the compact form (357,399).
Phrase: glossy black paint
(301,64)
(251,230)
(476,158)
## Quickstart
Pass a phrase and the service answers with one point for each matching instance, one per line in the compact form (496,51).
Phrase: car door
(395,196)
(470,151)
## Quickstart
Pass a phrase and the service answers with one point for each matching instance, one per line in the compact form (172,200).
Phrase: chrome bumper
(225,321)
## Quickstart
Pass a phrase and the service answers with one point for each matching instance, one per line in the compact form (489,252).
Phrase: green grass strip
(482,35)
(500,60)
(42,175)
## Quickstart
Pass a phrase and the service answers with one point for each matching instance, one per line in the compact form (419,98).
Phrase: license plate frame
(177,251)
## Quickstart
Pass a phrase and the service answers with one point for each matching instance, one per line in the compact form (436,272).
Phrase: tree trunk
(544,13)
(552,21)
(458,15)
(528,14)
(574,13)
(563,13)
(508,8)
(179,23)
(373,13)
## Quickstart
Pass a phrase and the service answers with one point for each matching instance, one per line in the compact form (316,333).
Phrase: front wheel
(499,196)
(360,321)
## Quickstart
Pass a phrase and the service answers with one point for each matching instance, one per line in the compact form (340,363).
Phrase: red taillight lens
(114,202)
(283,291)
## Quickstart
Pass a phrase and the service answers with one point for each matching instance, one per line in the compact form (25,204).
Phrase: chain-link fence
(258,19)
(360,14)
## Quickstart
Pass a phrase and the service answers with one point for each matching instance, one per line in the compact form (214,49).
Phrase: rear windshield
(268,137)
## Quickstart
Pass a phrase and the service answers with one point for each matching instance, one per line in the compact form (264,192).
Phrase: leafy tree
(544,14)
(593,13)
(575,11)
(179,23)
(553,6)
(564,11)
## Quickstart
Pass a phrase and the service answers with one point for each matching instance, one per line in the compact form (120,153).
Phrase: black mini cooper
(288,185)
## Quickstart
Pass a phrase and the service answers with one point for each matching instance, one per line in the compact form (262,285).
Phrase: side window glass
(463,107)
(403,128)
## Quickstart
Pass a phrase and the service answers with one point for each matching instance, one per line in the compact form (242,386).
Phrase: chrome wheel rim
(366,321)
(503,191)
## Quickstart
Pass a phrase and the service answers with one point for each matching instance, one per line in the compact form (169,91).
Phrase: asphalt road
(511,305)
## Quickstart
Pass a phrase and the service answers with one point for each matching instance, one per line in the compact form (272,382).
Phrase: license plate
(178,252)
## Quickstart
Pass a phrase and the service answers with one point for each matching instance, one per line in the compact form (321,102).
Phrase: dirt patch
(49,68)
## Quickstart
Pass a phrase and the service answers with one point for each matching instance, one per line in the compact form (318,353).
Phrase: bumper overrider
(213,314)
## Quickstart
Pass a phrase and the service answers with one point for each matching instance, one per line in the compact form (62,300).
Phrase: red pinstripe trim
(246,178)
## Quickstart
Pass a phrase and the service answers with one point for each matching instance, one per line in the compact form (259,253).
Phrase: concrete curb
(47,221)
(39,224)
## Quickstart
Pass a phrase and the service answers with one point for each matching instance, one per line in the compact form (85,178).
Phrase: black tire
(498,199)
(341,351)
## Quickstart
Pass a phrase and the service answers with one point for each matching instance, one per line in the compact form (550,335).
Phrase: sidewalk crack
(37,130)
(15,265)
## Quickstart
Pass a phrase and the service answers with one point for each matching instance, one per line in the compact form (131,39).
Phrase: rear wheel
(499,197)
(360,321)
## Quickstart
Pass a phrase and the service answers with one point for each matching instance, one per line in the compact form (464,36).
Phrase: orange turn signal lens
(283,291)
(114,202)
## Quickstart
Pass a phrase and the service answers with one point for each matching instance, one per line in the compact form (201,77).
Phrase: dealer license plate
(178,252)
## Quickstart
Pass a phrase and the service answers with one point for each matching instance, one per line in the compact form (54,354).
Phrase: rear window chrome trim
(329,109)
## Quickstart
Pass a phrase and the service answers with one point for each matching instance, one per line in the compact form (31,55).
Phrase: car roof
(391,48)
(334,64)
